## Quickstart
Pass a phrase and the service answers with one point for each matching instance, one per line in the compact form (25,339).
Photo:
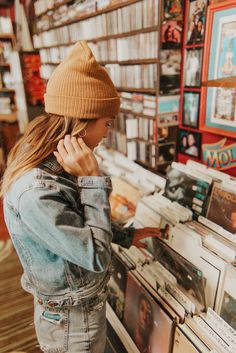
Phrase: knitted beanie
(81,88)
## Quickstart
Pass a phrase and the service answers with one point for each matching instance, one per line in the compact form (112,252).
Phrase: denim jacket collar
(51,165)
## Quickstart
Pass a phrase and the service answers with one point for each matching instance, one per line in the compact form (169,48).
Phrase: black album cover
(222,208)
(117,286)
(147,323)
(188,275)
(187,190)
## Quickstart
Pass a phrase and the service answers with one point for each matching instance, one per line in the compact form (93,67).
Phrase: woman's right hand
(76,157)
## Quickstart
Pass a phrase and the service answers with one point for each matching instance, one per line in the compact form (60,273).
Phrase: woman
(57,210)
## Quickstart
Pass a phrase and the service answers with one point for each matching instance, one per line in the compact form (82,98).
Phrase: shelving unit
(109,25)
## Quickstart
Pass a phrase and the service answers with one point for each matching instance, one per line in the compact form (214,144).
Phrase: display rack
(140,23)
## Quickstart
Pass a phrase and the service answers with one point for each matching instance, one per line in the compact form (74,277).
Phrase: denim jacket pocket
(52,329)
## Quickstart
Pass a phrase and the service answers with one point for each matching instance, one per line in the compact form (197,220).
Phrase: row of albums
(168,297)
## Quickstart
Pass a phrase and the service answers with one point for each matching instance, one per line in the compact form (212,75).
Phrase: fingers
(58,157)
(75,144)
(68,145)
(61,149)
(83,144)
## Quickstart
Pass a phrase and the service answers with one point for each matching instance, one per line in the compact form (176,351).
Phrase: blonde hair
(38,142)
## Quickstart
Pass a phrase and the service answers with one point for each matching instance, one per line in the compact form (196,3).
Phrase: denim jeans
(73,329)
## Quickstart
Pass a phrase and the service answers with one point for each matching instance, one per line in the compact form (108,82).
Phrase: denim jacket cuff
(94,182)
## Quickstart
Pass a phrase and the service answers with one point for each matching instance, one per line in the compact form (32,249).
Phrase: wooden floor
(16,314)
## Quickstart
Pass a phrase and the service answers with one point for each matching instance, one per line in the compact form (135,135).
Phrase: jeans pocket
(52,331)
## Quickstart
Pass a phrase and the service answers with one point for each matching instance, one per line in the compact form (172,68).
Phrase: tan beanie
(81,88)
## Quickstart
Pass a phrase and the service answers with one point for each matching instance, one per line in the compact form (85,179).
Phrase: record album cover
(147,323)
(188,275)
(223,203)
(187,190)
(117,286)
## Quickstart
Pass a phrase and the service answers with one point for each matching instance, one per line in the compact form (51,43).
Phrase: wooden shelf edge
(228,82)
(10,90)
(132,89)
(10,118)
(127,111)
(109,62)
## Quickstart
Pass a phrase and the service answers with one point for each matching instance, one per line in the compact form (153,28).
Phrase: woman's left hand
(144,233)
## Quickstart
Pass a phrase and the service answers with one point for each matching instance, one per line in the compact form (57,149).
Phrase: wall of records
(178,293)
(166,59)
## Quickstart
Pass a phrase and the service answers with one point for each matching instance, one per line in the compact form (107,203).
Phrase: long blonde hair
(40,139)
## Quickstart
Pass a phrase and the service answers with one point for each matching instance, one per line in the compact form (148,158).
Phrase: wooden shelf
(127,111)
(125,62)
(227,82)
(8,36)
(2,64)
(55,7)
(109,8)
(10,118)
(7,90)
(131,62)
(140,90)
(104,38)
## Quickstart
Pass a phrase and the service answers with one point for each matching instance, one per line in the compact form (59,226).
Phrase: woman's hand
(144,233)
(76,157)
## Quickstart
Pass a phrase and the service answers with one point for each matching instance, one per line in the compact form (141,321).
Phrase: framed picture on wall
(218,104)
(173,9)
(191,109)
(196,19)
(189,143)
(171,33)
(193,67)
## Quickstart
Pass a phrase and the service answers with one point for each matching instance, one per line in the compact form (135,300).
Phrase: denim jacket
(61,229)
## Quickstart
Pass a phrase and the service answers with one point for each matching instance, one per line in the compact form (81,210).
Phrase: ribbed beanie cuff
(81,107)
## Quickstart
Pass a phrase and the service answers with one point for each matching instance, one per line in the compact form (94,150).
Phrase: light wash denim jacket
(61,230)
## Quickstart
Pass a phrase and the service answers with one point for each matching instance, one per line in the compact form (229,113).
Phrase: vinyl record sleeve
(223,203)
(187,341)
(188,276)
(187,190)
(117,286)
(183,241)
(147,323)
(228,303)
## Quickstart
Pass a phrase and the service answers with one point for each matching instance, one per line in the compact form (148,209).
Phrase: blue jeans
(74,329)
